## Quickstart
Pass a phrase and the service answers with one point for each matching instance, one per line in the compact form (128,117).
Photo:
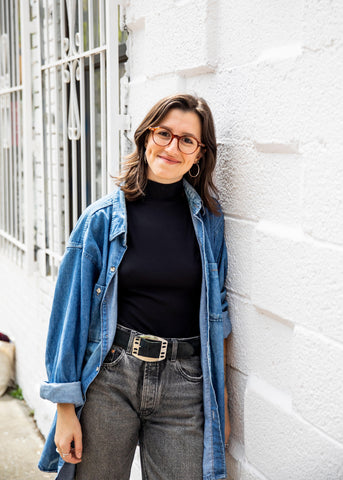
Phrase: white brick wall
(25,303)
(272,74)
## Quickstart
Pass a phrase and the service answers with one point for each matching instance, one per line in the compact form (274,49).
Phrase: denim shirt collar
(119,217)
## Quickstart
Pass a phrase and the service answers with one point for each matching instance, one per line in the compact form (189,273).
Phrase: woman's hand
(68,430)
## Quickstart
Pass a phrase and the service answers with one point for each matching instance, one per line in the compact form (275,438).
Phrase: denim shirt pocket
(215,310)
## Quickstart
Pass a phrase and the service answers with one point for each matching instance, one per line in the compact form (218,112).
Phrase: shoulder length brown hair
(133,178)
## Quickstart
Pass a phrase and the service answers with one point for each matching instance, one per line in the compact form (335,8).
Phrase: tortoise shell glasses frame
(163,136)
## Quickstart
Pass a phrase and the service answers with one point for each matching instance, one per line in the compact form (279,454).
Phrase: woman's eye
(163,133)
(188,140)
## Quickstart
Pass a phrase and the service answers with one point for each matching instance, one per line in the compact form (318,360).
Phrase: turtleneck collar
(163,191)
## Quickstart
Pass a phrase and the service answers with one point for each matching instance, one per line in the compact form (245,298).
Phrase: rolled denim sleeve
(68,328)
(62,392)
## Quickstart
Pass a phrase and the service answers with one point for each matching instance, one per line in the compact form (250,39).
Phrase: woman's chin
(164,177)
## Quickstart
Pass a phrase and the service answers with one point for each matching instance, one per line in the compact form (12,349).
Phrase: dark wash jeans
(158,404)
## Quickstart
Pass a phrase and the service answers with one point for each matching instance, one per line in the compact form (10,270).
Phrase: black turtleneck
(160,274)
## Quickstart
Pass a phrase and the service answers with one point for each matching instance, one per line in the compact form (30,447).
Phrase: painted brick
(26,323)
(317,381)
(258,185)
(241,314)
(322,23)
(297,279)
(270,350)
(275,84)
(283,86)
(254,29)
(250,473)
(236,387)
(323,206)
(320,112)
(137,59)
(260,344)
(239,237)
(281,445)
(44,412)
(136,11)
(180,40)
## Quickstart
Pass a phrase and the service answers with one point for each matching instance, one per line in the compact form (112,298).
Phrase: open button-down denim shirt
(84,318)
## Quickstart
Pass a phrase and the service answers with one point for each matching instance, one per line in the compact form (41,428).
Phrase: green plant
(17,393)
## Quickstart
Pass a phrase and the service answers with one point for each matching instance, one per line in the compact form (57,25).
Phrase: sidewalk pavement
(20,442)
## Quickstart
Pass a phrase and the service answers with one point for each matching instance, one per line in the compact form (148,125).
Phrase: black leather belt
(154,349)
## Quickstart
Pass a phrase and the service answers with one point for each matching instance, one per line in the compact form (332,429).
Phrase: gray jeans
(158,404)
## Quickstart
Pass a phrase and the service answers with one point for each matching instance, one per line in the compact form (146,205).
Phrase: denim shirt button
(98,291)
(113,269)
(97,369)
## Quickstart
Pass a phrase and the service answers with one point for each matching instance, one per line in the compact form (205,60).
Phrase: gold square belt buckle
(137,343)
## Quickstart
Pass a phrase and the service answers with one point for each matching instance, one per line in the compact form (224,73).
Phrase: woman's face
(167,164)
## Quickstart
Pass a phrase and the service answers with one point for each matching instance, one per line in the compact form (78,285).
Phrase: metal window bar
(41,174)
(83,149)
(57,75)
(80,115)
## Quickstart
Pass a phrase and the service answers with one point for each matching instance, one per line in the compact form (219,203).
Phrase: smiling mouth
(169,160)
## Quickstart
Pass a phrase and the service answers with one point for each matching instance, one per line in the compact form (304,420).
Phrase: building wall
(272,74)
(26,296)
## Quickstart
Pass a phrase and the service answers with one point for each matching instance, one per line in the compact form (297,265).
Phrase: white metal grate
(67,115)
(80,119)
(12,227)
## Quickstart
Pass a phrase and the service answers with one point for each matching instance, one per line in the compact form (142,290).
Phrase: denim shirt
(84,318)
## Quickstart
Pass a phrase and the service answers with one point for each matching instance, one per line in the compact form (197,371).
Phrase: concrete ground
(20,442)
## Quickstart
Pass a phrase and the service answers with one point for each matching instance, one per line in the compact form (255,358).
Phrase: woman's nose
(173,145)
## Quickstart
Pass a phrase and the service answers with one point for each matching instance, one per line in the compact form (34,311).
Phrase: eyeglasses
(186,143)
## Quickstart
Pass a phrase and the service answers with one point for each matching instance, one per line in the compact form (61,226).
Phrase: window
(12,231)
(69,97)
(79,93)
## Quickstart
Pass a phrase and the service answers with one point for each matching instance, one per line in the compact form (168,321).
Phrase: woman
(136,345)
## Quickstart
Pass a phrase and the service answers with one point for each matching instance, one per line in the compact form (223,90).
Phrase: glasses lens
(188,144)
(162,137)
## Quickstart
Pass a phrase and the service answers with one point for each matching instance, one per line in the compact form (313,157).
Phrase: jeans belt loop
(130,342)
(174,350)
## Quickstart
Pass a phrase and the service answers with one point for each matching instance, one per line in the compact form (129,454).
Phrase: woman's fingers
(72,458)
(78,443)
(68,454)
(68,436)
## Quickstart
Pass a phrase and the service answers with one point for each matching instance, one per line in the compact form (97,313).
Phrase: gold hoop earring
(189,172)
